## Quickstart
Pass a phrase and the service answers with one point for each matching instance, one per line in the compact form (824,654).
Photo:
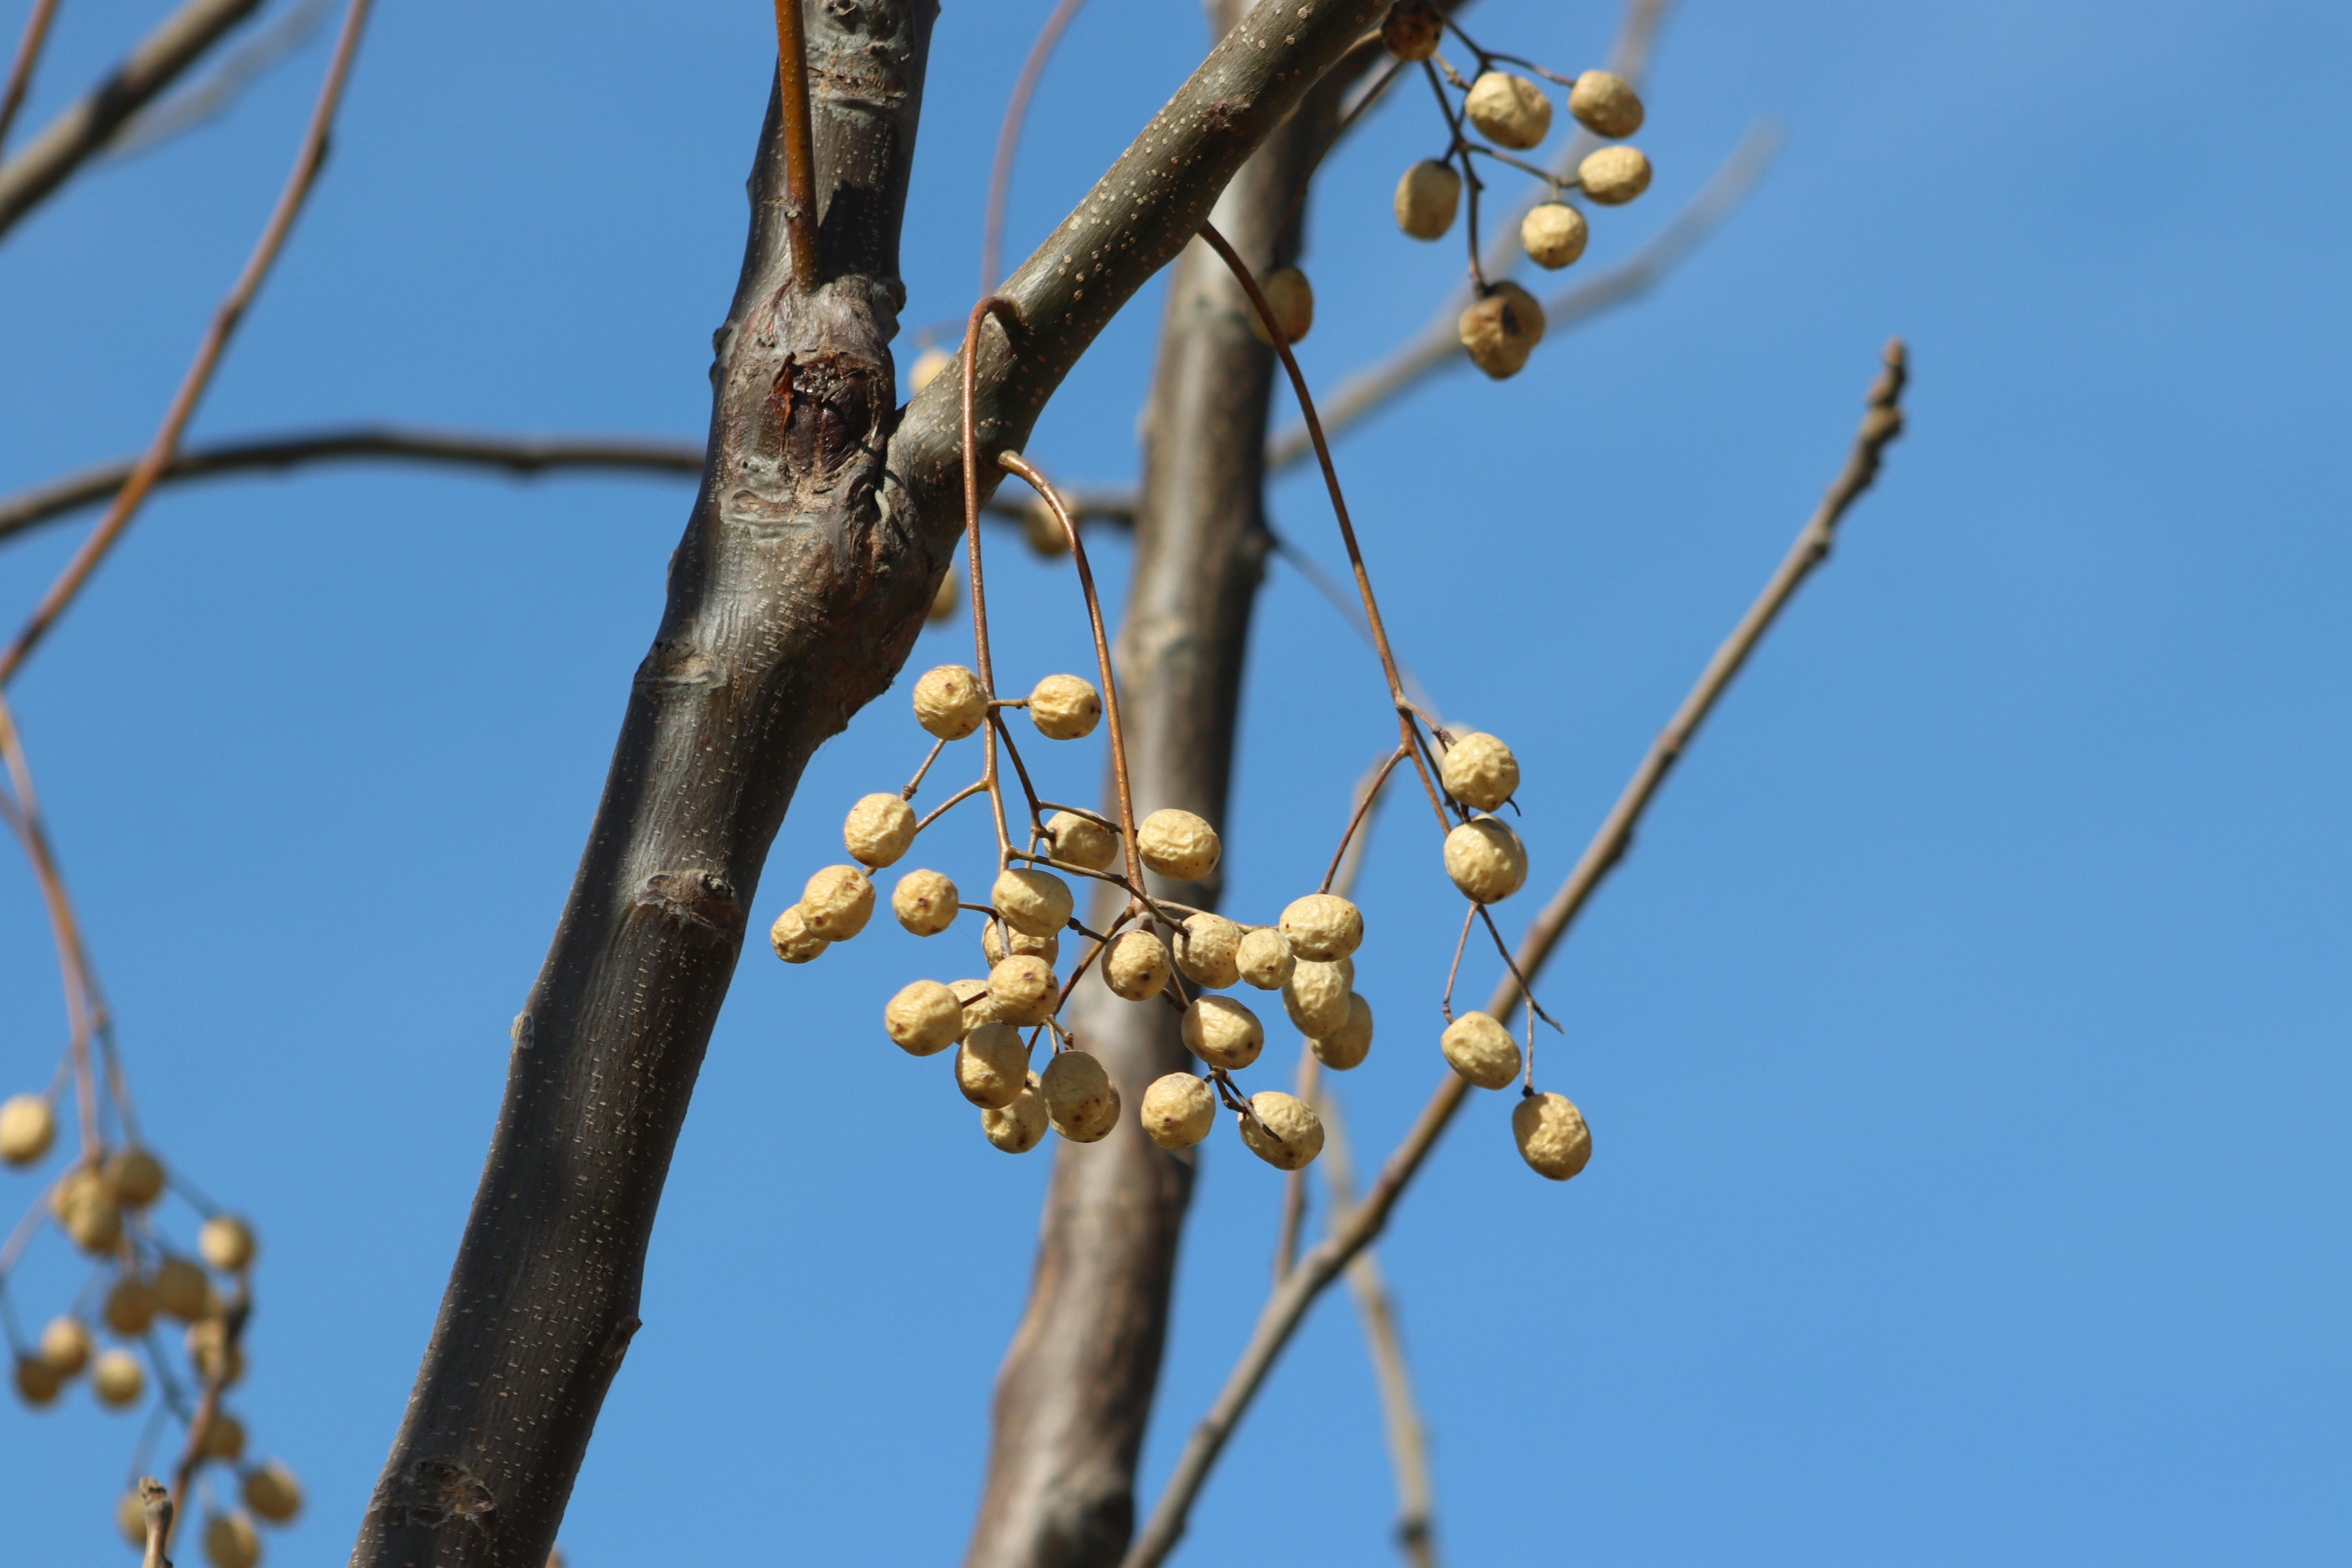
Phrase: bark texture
(1076,1391)
(815,543)
(792,599)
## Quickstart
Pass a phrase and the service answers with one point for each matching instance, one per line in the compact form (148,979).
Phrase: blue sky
(1964,1040)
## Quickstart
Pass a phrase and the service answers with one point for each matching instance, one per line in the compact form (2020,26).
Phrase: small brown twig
(1365,796)
(958,798)
(917,782)
(73,956)
(20,70)
(1016,463)
(1004,311)
(1453,971)
(1286,1308)
(1008,141)
(231,311)
(1273,333)
(800,144)
(155,1507)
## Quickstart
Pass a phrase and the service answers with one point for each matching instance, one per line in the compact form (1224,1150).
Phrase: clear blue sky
(1964,1040)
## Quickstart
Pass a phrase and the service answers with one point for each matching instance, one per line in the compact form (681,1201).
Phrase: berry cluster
(106,1203)
(1504,323)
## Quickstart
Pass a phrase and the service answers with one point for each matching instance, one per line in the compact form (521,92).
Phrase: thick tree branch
(812,556)
(1286,1308)
(84,128)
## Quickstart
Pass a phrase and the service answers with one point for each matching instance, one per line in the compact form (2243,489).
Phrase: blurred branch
(1008,140)
(20,71)
(1438,346)
(1416,1528)
(243,66)
(1286,1308)
(231,311)
(87,125)
(519,455)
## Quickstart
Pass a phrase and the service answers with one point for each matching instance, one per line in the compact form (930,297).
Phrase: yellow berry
(1292,299)
(1615,176)
(1178,845)
(949,703)
(135,1176)
(1263,958)
(225,1440)
(1221,1032)
(130,1306)
(924,1018)
(1553,1139)
(1041,531)
(1179,1109)
(214,1357)
(1486,859)
(1478,1048)
(1508,110)
(1480,772)
(85,1211)
(1208,950)
(879,829)
(925,370)
(925,902)
(130,1517)
(1037,904)
(231,1541)
(946,599)
(1081,841)
(792,940)
(1064,707)
(837,903)
(65,1346)
(1316,995)
(998,941)
(1020,1126)
(1411,29)
(38,1382)
(1022,990)
(226,1243)
(1606,104)
(1348,1045)
(28,1127)
(1080,1099)
(1426,197)
(271,1491)
(181,1290)
(1282,1130)
(1322,927)
(1553,234)
(992,1066)
(117,1379)
(1136,965)
(1502,329)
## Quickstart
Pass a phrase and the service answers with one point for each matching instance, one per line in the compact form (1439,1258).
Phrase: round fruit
(1478,1048)
(1281,1129)
(1208,950)
(1348,1045)
(1179,1109)
(1221,1032)
(992,1066)
(1037,904)
(28,1125)
(1486,859)
(117,1379)
(924,1018)
(879,829)
(1606,104)
(1064,708)
(1552,1137)
(1553,234)
(1426,197)
(925,902)
(1080,1099)
(1292,299)
(1265,958)
(1136,965)
(1020,1126)
(1502,329)
(1480,772)
(226,1243)
(1322,927)
(792,940)
(1615,176)
(949,703)
(1508,110)
(1178,845)
(837,903)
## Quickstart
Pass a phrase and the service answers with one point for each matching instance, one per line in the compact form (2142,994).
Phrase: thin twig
(1365,795)
(156,1509)
(1408,1438)
(1003,311)
(1287,1307)
(200,1425)
(244,66)
(231,310)
(73,956)
(1294,1185)
(20,70)
(800,143)
(1008,141)
(90,122)
(1438,345)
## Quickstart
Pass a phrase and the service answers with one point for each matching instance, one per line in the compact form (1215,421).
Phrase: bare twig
(1287,1307)
(1008,141)
(73,958)
(20,69)
(1408,1438)
(800,141)
(155,1505)
(1438,345)
(522,456)
(90,123)
(1294,1185)
(231,311)
(240,68)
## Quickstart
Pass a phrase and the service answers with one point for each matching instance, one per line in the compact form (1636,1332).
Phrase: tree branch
(225,317)
(811,559)
(1438,346)
(20,69)
(1287,1307)
(84,128)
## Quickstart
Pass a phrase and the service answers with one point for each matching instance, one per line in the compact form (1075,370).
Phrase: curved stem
(1008,141)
